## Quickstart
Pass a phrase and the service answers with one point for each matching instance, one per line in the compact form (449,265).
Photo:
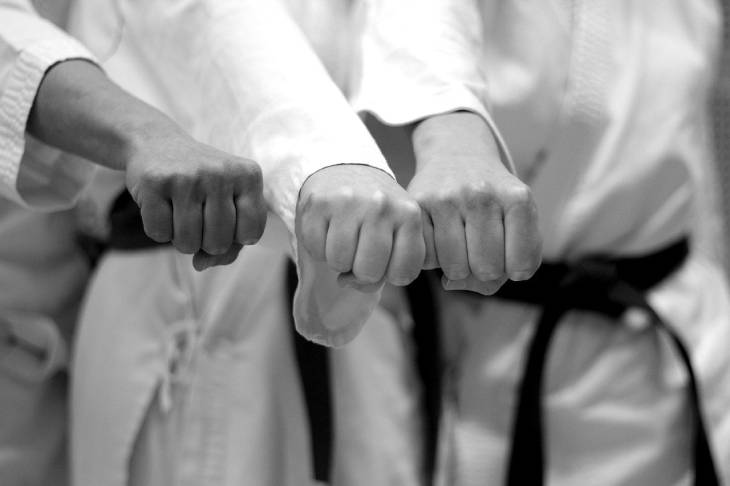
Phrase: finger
(250,219)
(312,233)
(407,259)
(472,284)
(448,228)
(373,252)
(523,244)
(341,244)
(157,218)
(188,226)
(431,260)
(485,243)
(349,280)
(203,260)
(219,224)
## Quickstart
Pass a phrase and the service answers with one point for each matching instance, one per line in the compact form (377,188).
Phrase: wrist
(137,138)
(453,137)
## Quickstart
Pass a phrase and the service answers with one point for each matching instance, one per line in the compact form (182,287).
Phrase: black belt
(314,372)
(608,286)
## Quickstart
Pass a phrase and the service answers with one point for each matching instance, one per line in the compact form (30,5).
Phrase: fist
(204,201)
(480,221)
(363,224)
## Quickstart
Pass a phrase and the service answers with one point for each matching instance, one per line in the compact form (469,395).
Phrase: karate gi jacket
(135,342)
(603,106)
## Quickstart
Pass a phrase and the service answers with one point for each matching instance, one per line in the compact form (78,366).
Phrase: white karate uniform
(603,106)
(188,378)
(42,270)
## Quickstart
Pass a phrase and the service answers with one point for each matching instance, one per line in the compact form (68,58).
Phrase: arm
(252,85)
(189,193)
(481,225)
(51,89)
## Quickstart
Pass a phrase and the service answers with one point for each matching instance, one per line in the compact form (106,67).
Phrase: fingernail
(519,276)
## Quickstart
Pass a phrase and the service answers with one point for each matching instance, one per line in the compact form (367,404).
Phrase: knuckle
(517,196)
(448,200)
(425,198)
(379,204)
(248,171)
(155,179)
(311,202)
(478,196)
(410,211)
(342,199)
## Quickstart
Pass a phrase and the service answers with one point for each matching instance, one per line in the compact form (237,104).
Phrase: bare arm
(191,194)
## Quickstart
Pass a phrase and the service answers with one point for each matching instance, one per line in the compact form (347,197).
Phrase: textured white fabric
(42,272)
(253,88)
(241,76)
(603,107)
(31,173)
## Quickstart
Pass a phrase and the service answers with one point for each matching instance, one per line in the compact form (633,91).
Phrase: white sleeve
(421,58)
(242,77)
(33,174)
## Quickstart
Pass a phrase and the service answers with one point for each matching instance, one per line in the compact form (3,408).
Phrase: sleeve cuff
(31,173)
(417,106)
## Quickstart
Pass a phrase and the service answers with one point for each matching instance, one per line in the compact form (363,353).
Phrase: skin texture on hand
(202,200)
(480,221)
(363,224)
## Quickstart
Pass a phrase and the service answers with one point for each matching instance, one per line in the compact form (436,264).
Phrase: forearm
(254,87)
(452,137)
(79,110)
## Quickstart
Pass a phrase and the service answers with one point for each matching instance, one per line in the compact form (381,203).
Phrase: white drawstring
(179,351)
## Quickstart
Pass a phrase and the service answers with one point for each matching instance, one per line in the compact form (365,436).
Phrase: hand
(363,224)
(203,200)
(480,221)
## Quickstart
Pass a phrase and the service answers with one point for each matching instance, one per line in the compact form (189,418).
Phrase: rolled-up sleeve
(421,58)
(241,76)
(31,173)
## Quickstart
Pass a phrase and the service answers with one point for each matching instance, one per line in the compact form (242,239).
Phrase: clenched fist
(363,224)
(204,201)
(480,220)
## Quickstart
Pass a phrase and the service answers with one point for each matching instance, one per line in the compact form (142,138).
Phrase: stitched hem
(17,100)
(436,103)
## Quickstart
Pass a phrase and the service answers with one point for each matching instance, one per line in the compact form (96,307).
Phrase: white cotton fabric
(188,378)
(42,271)
(602,105)
(42,277)
(256,89)
(31,173)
